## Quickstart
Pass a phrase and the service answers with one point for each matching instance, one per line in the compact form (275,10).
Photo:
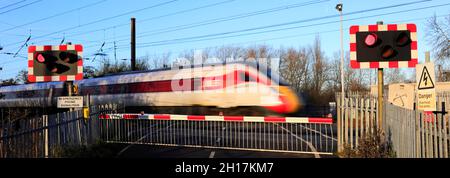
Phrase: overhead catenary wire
(288,23)
(12,4)
(301,21)
(148,19)
(101,20)
(55,15)
(306,34)
(171,41)
(154,18)
(253,41)
(24,44)
(328,31)
(193,39)
(211,21)
(229,18)
(217,20)
(183,27)
(222,19)
(16,8)
(98,52)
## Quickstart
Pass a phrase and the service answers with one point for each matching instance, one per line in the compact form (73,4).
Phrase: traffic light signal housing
(55,63)
(383,46)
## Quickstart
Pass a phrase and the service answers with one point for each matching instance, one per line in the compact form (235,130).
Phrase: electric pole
(133,44)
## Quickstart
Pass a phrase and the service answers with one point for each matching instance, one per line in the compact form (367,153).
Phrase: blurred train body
(208,89)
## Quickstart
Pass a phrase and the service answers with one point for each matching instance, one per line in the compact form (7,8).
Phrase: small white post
(45,122)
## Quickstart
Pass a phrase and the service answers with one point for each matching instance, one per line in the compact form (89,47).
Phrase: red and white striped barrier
(271,119)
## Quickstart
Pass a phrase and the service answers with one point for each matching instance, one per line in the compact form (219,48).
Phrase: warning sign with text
(70,102)
(426,93)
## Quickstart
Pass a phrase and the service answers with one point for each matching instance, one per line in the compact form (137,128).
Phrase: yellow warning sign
(426,93)
(426,81)
(86,113)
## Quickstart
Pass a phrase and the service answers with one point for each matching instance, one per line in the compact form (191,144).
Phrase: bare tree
(229,53)
(22,77)
(333,73)
(157,61)
(250,53)
(439,37)
(319,67)
(294,68)
(106,67)
(223,53)
(165,59)
(141,64)
(262,53)
(354,80)
(187,55)
(395,76)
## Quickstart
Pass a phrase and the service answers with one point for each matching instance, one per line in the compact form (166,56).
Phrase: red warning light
(371,39)
(40,58)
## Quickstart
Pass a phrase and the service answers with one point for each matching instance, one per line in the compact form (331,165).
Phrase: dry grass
(374,145)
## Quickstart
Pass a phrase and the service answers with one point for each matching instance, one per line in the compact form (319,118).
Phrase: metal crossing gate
(47,136)
(275,134)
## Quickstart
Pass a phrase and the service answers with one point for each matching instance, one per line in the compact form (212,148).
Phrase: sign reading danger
(426,94)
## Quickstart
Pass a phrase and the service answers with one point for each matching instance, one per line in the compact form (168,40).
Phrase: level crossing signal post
(56,63)
(383,46)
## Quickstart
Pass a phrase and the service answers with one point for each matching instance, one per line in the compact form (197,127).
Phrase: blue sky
(49,21)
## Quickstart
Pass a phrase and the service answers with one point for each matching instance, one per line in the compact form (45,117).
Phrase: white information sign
(70,102)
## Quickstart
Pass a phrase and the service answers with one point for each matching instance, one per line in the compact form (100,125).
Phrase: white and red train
(215,86)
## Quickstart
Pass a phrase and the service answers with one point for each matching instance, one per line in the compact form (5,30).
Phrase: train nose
(290,102)
(290,99)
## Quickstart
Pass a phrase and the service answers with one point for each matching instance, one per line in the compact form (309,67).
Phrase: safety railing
(278,134)
(410,133)
(46,136)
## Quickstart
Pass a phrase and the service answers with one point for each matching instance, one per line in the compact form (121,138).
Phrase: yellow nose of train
(289,101)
